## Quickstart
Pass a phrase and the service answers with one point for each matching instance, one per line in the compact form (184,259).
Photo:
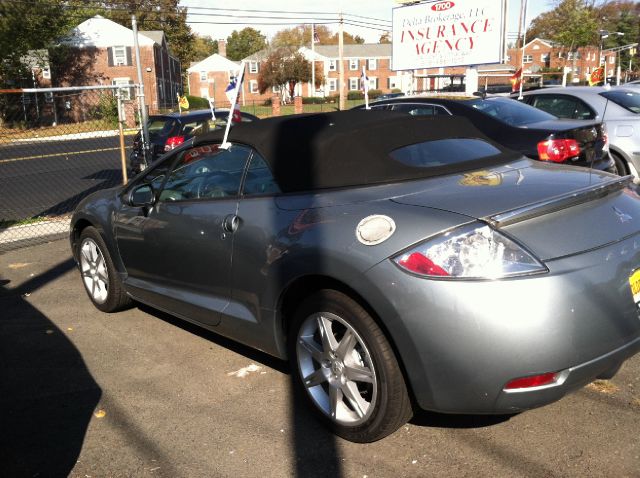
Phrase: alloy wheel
(336,369)
(94,271)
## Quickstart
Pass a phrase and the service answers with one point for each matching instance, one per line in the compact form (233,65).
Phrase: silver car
(398,262)
(618,107)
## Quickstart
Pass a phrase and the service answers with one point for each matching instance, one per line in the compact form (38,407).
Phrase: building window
(275,89)
(353,64)
(332,65)
(544,57)
(203,76)
(253,86)
(528,58)
(46,73)
(119,55)
(204,92)
(570,55)
(536,47)
(588,71)
(333,84)
(612,60)
(372,64)
(253,67)
(125,92)
(373,83)
(353,83)
(560,54)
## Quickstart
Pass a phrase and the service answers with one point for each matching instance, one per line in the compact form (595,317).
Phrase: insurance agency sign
(448,33)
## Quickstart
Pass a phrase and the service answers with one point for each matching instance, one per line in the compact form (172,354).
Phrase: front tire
(99,276)
(347,368)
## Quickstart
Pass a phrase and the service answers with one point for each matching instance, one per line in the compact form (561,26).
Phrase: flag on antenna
(597,76)
(364,85)
(364,82)
(515,80)
(316,38)
(231,89)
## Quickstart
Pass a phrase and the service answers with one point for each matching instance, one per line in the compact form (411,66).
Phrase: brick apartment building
(210,77)
(375,57)
(542,55)
(103,51)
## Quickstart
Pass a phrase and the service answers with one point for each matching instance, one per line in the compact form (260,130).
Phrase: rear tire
(347,369)
(99,276)
(621,164)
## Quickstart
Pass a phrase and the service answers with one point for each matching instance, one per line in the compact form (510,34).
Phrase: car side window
(206,172)
(381,107)
(583,111)
(259,179)
(563,106)
(195,128)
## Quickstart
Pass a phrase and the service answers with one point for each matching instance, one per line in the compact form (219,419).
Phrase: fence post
(275,105)
(121,119)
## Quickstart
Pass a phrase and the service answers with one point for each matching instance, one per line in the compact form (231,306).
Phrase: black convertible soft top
(351,148)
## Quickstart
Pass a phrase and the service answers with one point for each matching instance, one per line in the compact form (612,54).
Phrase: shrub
(106,109)
(196,103)
(374,94)
(355,95)
(313,100)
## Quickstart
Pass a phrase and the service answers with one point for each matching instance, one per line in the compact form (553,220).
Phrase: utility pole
(524,42)
(520,22)
(313,60)
(341,62)
(143,108)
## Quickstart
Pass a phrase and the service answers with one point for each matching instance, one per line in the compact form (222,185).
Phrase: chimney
(222,48)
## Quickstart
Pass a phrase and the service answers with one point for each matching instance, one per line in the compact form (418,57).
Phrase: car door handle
(231,223)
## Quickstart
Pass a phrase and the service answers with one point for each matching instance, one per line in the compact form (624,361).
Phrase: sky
(378,9)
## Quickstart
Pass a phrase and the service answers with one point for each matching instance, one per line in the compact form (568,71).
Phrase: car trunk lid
(555,211)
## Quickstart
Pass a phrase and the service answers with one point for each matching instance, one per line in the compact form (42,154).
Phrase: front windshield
(629,100)
(510,111)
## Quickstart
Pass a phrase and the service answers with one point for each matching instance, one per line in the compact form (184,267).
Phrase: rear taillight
(173,142)
(558,150)
(533,381)
(472,251)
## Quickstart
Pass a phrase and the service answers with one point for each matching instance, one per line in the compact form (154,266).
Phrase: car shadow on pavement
(424,418)
(47,395)
(315,452)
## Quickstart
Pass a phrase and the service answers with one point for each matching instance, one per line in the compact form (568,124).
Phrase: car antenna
(481,94)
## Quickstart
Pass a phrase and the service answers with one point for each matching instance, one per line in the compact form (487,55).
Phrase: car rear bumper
(461,342)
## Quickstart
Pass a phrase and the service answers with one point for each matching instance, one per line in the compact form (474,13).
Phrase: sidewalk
(36,233)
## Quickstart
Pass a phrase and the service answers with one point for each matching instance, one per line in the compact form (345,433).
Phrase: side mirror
(142,196)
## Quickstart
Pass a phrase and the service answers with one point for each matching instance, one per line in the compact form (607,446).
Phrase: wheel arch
(615,151)
(305,286)
(76,231)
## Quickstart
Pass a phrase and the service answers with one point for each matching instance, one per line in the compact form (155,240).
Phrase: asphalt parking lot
(139,393)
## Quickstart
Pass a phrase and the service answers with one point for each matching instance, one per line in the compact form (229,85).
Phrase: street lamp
(603,35)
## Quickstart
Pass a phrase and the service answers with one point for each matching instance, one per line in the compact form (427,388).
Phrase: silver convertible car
(396,261)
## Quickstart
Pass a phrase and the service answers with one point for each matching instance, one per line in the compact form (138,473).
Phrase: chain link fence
(56,147)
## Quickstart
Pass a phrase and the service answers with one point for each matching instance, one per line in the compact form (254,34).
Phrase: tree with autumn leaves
(578,23)
(284,68)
